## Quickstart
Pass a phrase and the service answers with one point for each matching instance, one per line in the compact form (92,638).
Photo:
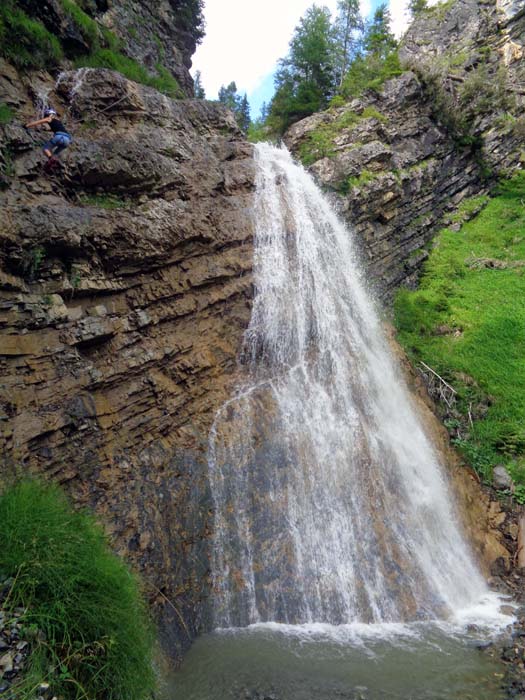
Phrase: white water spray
(330,503)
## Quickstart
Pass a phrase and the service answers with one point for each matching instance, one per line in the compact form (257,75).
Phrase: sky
(244,40)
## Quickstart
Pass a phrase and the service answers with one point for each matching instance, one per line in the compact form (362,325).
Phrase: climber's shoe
(52,165)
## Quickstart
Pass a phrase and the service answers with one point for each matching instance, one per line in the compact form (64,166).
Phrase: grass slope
(94,639)
(467,321)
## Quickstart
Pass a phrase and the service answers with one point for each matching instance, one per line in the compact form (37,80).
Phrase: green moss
(372,113)
(165,82)
(485,306)
(24,41)
(468,208)
(97,641)
(104,201)
(6,113)
(319,144)
(361,179)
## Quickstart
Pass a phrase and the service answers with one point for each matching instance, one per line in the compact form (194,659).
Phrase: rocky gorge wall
(124,291)
(125,288)
(401,159)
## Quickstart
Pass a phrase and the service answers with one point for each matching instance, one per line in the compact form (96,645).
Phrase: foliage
(347,34)
(105,58)
(190,17)
(239,105)
(198,89)
(379,40)
(97,641)
(369,72)
(24,41)
(320,142)
(417,7)
(104,201)
(482,355)
(86,25)
(305,78)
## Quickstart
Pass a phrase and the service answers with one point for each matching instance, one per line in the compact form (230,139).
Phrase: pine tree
(416,7)
(243,114)
(349,26)
(305,79)
(379,39)
(228,96)
(198,90)
(239,105)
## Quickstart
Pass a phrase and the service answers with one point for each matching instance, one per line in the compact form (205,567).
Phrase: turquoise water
(390,662)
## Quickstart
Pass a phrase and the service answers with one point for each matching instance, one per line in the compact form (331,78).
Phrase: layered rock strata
(124,292)
(393,162)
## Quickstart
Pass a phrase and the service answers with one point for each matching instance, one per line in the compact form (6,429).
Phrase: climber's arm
(45,120)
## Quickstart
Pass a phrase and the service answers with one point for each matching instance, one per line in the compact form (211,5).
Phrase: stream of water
(340,569)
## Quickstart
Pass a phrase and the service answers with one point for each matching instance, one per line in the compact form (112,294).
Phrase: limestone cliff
(124,291)
(398,159)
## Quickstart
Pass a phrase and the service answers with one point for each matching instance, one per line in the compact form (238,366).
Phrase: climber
(60,140)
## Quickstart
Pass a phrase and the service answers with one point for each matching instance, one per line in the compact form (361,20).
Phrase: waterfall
(330,502)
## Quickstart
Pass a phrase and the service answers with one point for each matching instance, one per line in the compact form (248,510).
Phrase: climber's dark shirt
(57,126)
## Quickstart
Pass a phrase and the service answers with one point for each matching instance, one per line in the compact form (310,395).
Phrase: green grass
(86,24)
(104,201)
(25,42)
(97,641)
(131,69)
(483,353)
(320,142)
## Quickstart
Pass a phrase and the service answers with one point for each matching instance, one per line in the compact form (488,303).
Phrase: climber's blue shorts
(58,143)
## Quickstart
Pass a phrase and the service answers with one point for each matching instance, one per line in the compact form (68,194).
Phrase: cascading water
(330,503)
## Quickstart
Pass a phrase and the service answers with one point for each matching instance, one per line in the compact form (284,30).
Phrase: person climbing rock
(60,140)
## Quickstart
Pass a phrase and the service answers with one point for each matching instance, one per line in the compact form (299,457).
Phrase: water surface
(320,662)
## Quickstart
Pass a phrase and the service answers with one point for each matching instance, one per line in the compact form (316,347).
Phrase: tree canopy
(326,58)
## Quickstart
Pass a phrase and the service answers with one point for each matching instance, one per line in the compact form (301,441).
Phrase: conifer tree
(305,79)
(379,39)
(243,114)
(198,90)
(416,7)
(239,105)
(349,26)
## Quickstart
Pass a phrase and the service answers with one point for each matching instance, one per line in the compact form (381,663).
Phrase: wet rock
(501,479)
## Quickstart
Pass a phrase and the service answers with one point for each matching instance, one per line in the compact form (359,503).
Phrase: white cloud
(244,40)
(400,15)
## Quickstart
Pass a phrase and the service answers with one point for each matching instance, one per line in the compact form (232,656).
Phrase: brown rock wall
(124,292)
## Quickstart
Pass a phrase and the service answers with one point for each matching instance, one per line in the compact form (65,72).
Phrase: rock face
(160,35)
(156,32)
(394,161)
(124,291)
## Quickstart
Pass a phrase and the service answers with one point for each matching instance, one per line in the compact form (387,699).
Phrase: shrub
(97,640)
(370,73)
